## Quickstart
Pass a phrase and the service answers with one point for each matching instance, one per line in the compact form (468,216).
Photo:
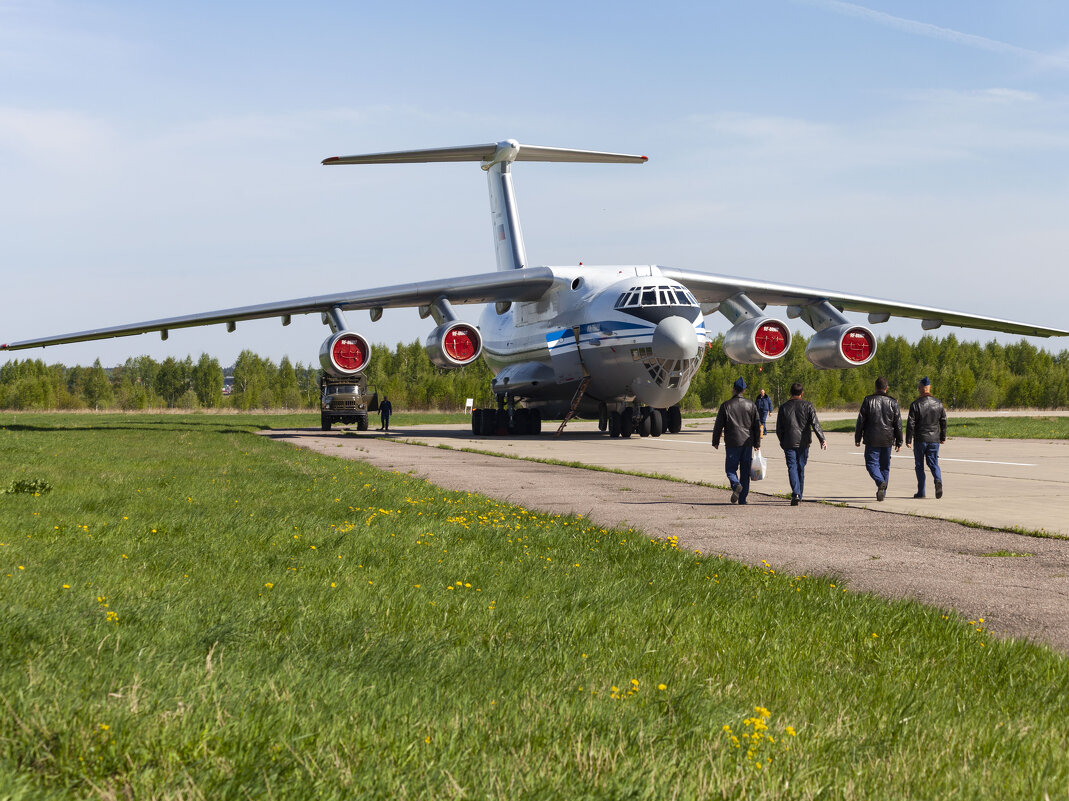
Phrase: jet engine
(344,354)
(757,340)
(454,344)
(841,346)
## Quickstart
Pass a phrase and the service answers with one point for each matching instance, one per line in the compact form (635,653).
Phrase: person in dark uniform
(740,424)
(879,426)
(796,421)
(385,410)
(764,408)
(927,423)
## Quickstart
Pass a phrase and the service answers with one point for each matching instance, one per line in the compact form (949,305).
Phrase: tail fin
(496,160)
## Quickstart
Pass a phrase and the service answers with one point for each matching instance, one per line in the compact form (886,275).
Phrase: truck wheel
(324,421)
(361,424)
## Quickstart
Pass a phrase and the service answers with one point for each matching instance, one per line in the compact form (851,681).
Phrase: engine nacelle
(840,346)
(454,344)
(757,340)
(344,354)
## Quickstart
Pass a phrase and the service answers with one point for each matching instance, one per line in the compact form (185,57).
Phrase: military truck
(346,400)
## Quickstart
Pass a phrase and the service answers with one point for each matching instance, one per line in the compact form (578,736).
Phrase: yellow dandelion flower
(662,686)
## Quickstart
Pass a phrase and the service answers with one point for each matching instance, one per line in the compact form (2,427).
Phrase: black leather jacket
(796,422)
(879,423)
(737,419)
(927,420)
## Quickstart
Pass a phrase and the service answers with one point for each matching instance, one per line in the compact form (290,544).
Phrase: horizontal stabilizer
(509,150)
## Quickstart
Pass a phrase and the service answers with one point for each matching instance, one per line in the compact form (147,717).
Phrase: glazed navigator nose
(675,338)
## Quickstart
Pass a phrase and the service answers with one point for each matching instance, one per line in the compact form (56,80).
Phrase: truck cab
(346,400)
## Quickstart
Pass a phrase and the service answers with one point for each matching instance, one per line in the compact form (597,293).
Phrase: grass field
(188,610)
(1038,427)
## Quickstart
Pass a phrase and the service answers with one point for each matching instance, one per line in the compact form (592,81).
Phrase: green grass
(197,612)
(1038,427)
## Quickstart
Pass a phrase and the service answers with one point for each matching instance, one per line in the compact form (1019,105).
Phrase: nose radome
(674,338)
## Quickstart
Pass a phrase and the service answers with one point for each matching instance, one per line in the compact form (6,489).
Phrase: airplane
(620,343)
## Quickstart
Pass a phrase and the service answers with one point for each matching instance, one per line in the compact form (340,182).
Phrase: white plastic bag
(759,467)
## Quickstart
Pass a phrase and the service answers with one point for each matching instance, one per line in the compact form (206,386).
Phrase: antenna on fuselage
(496,160)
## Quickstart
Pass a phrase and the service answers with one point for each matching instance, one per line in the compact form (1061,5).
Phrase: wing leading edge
(516,285)
(709,288)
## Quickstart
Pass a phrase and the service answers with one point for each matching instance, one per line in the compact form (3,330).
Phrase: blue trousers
(764,428)
(878,463)
(926,452)
(796,459)
(737,466)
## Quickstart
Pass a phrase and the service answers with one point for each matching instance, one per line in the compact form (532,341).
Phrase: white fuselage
(638,335)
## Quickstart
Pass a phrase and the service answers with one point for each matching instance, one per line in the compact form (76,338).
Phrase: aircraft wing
(709,288)
(515,285)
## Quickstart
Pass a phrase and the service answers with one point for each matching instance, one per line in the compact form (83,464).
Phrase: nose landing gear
(646,421)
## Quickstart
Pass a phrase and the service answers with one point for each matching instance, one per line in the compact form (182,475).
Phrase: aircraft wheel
(656,423)
(476,421)
(324,422)
(521,422)
(674,423)
(603,417)
(627,424)
(644,423)
(501,428)
(487,423)
(614,424)
(536,422)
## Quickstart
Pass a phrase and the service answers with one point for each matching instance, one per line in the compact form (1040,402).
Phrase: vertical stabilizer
(504,216)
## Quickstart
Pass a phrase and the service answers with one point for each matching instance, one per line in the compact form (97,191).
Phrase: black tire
(489,420)
(476,421)
(614,424)
(536,422)
(644,423)
(603,417)
(501,427)
(521,422)
(674,423)
(324,421)
(656,423)
(627,424)
(361,424)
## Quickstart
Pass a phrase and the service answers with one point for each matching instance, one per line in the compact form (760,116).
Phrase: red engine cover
(772,339)
(344,354)
(857,345)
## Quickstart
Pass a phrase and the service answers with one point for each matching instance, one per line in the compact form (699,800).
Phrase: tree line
(967,375)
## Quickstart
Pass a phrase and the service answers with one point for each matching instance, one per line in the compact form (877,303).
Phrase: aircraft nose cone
(675,338)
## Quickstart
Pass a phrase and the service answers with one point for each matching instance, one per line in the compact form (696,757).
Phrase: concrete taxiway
(1001,483)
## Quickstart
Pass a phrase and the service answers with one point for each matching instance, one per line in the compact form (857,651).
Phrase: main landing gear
(506,420)
(644,420)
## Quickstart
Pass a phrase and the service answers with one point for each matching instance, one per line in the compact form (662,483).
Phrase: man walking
(879,426)
(796,422)
(764,408)
(927,422)
(739,423)
(385,410)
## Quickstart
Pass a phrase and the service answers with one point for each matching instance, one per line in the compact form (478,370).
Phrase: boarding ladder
(579,392)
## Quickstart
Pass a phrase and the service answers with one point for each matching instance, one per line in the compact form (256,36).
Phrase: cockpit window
(655,296)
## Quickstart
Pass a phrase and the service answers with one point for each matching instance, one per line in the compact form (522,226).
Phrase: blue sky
(160,159)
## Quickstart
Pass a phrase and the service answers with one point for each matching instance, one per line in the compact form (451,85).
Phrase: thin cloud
(1059,61)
